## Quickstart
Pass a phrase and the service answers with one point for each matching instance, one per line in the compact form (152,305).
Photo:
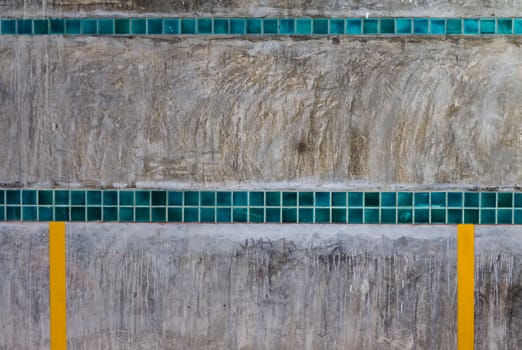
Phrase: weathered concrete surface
(97,111)
(264,7)
(260,287)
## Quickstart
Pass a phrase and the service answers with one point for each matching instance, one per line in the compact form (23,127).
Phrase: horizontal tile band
(262,26)
(136,205)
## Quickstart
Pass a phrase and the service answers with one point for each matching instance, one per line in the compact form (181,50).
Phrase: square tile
(422,216)
(158,197)
(505,216)
(224,198)
(208,198)
(127,197)
(438,199)
(94,214)
(270,25)
(287,26)
(404,216)
(471,199)
(240,215)
(221,26)
(488,216)
(388,216)
(353,26)
(306,215)
(422,199)
(438,216)
(207,215)
(404,26)
(61,213)
(126,214)
(237,26)
(29,197)
(454,199)
(517,26)
(471,216)
(289,199)
(254,26)
(339,199)
(518,200)
(303,26)
(488,200)
(122,26)
(106,26)
(471,26)
(41,26)
(371,216)
(355,216)
(190,215)
(371,199)
(273,215)
(454,216)
(77,197)
(224,214)
(322,199)
(355,199)
(77,213)
(142,214)
(257,215)
(387,26)
(171,26)
(174,215)
(204,25)
(110,198)
(438,26)
(139,26)
(110,214)
(289,215)
(505,200)
(45,213)
(517,216)
(421,25)
(488,26)
(9,26)
(57,26)
(306,199)
(13,213)
(13,197)
(94,198)
(339,216)
(337,26)
(257,199)
(320,26)
(29,213)
(405,199)
(273,199)
(89,26)
(454,26)
(388,199)
(73,26)
(142,198)
(371,26)
(175,198)
(155,25)
(158,214)
(322,216)
(191,198)
(24,26)
(504,26)
(240,198)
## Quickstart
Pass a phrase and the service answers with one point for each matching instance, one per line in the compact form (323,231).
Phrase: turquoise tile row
(262,26)
(261,206)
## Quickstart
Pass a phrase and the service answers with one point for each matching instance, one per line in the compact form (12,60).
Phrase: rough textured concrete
(259,287)
(98,111)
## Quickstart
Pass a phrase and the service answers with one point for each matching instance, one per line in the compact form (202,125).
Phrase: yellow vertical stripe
(465,287)
(57,289)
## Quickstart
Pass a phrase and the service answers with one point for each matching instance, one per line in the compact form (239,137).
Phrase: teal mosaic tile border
(262,26)
(261,206)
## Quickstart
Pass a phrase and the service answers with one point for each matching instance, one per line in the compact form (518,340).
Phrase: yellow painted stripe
(57,288)
(465,287)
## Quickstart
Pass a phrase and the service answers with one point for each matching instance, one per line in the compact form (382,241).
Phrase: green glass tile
(191,198)
(337,26)
(471,199)
(388,216)
(517,26)
(371,216)
(126,214)
(110,198)
(207,215)
(174,215)
(371,199)
(322,216)
(126,197)
(487,26)
(504,26)
(240,198)
(306,199)
(437,26)
(273,199)
(89,26)
(454,216)
(438,199)
(306,215)
(237,26)
(404,25)
(57,26)
(240,215)
(273,215)
(405,199)
(224,198)
(355,216)
(471,216)
(254,26)
(122,26)
(171,26)
(24,26)
(175,198)
(320,26)
(303,26)
(94,214)
(45,213)
(142,198)
(61,213)
(155,25)
(270,26)
(438,216)
(518,200)
(2,213)
(387,26)
(78,197)
(388,199)
(142,214)
(421,25)
(454,26)
(286,26)
(224,214)
(13,197)
(422,216)
(404,216)
(73,26)
(257,199)
(289,215)
(505,217)
(371,26)
(208,198)
(9,26)
(221,26)
(77,213)
(289,199)
(106,26)
(487,216)
(2,197)
(190,215)
(454,199)
(204,25)
(158,215)
(339,199)
(339,216)
(41,26)
(471,26)
(422,199)
(29,213)
(158,197)
(505,200)
(488,200)
(13,213)
(94,197)
(518,217)
(29,197)
(355,199)
(257,215)
(353,26)
(110,214)
(139,26)
(61,197)
(322,199)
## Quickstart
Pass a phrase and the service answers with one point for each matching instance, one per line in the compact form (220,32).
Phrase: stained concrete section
(260,287)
